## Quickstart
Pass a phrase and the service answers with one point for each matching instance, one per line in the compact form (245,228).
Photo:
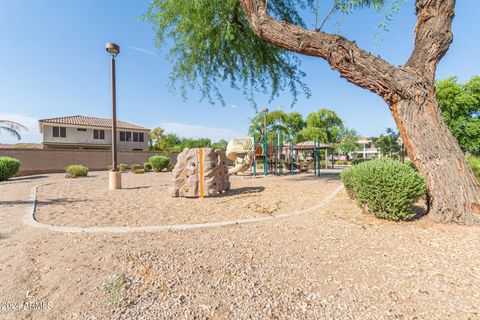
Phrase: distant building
(80,132)
(367,149)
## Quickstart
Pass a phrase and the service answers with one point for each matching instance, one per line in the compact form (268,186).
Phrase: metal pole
(114,118)
(291,158)
(254,156)
(275,153)
(319,157)
(265,144)
(280,145)
(326,158)
(314,157)
(333,160)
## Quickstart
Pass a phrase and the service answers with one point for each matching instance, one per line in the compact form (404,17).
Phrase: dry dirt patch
(145,200)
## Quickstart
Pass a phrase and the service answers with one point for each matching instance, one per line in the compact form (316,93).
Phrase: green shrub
(358,161)
(122,167)
(135,166)
(170,167)
(386,188)
(8,167)
(411,165)
(138,171)
(341,162)
(159,163)
(147,167)
(74,171)
(474,162)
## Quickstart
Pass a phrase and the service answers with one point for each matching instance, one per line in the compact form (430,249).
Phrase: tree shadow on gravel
(323,176)
(40,202)
(239,191)
(137,188)
(420,210)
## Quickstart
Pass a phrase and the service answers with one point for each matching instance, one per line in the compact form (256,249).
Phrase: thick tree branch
(354,64)
(433,34)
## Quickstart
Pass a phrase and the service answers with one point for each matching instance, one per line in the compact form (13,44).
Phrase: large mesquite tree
(252,44)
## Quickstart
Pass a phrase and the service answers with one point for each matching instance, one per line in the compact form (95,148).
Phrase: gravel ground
(145,200)
(336,263)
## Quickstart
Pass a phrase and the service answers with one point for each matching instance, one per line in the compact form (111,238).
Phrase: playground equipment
(201,173)
(241,150)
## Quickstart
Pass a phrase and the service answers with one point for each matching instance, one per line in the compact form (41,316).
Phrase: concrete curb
(30,220)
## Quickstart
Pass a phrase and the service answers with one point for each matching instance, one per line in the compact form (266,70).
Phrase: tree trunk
(454,193)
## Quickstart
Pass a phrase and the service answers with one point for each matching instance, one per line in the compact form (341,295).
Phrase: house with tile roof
(81,132)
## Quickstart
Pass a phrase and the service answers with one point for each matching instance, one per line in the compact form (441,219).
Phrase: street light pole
(115,177)
(114,118)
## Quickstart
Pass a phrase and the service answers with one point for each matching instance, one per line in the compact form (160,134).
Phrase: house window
(60,132)
(135,137)
(140,137)
(99,134)
(81,129)
(122,136)
(128,136)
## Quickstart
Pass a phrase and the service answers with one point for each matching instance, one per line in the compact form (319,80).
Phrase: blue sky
(53,63)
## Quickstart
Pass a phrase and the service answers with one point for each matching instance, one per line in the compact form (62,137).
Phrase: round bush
(159,163)
(8,167)
(386,188)
(74,171)
(122,167)
(147,167)
(138,171)
(135,166)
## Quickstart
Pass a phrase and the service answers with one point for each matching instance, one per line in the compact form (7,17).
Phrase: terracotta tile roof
(91,122)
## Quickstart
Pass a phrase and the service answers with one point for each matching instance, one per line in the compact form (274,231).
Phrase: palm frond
(12,128)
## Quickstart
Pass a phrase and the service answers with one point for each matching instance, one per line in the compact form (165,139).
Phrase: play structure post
(265,154)
(275,154)
(326,158)
(319,158)
(314,157)
(291,158)
(265,111)
(254,156)
(280,147)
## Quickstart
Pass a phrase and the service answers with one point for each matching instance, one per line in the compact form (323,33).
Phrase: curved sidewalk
(30,220)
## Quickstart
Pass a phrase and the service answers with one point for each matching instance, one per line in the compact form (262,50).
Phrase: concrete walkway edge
(30,220)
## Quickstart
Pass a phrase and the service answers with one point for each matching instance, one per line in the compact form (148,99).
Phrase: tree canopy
(323,125)
(388,144)
(348,141)
(159,141)
(460,105)
(213,42)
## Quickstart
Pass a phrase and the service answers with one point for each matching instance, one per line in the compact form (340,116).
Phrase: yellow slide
(240,150)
